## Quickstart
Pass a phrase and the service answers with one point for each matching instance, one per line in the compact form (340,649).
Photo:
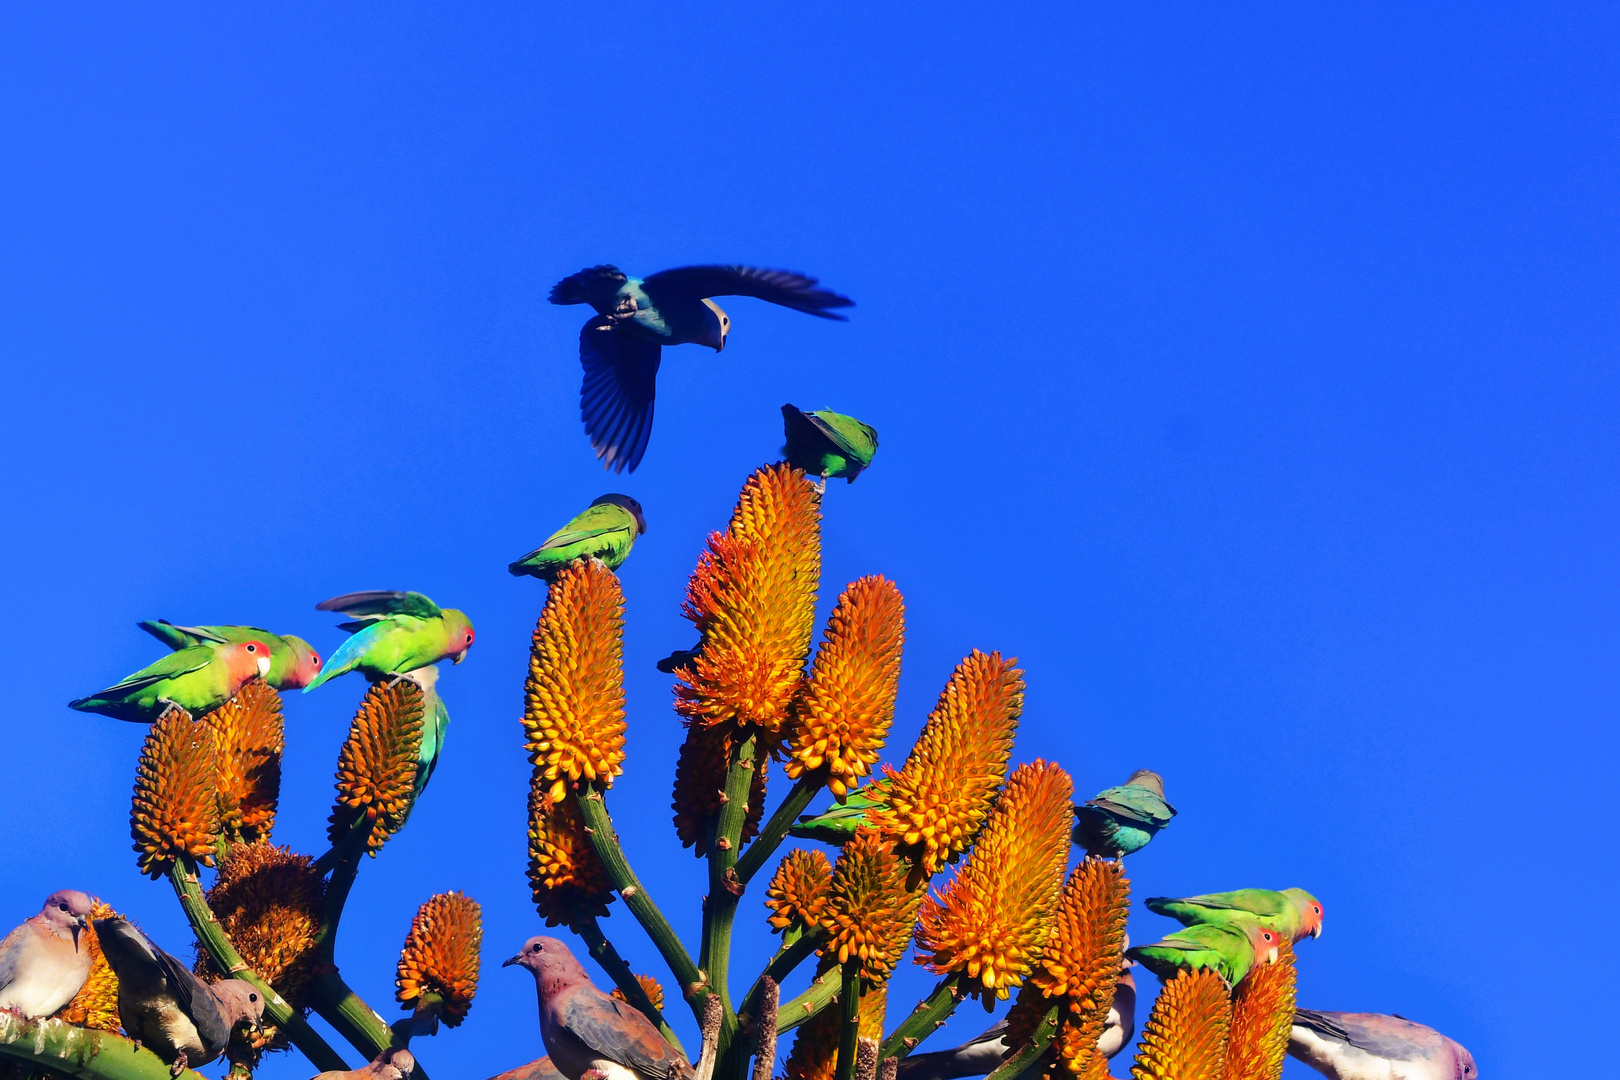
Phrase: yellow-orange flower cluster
(1262,1017)
(649,986)
(566,877)
(1081,964)
(376,774)
(992,919)
(573,700)
(1185,1034)
(96,1004)
(249,735)
(753,598)
(700,779)
(939,801)
(815,1049)
(798,890)
(869,908)
(268,900)
(441,956)
(842,719)
(175,812)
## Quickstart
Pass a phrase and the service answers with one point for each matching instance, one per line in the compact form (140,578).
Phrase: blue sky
(1248,373)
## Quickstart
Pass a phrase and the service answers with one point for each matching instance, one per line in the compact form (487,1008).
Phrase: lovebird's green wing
(605,531)
(1135,803)
(178,637)
(854,439)
(135,697)
(377,603)
(1201,946)
(1271,909)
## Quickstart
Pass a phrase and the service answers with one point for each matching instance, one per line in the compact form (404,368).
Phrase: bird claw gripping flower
(440,956)
(376,774)
(175,811)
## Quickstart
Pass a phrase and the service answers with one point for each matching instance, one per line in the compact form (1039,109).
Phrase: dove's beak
(78,927)
(518,959)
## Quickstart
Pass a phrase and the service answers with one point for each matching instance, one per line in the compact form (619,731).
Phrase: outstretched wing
(376,603)
(176,637)
(596,286)
(616,398)
(778,286)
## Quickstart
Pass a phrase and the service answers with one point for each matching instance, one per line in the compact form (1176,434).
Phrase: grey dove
(392,1063)
(1372,1046)
(538,1069)
(42,962)
(585,1029)
(166,1008)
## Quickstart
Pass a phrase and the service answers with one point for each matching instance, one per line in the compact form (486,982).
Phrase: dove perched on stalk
(606,530)
(1371,1046)
(1121,820)
(1294,913)
(538,1069)
(827,444)
(293,661)
(392,1063)
(197,678)
(1230,951)
(394,633)
(43,962)
(585,1029)
(620,347)
(176,1015)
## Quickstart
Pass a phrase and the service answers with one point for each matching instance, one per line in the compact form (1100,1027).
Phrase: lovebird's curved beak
(1317,931)
(1271,955)
(263,663)
(459,657)
(518,959)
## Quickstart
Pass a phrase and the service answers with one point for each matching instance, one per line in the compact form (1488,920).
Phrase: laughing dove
(42,962)
(393,1063)
(585,1029)
(1372,1046)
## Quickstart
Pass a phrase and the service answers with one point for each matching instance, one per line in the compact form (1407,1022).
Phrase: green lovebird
(838,822)
(1231,951)
(293,661)
(605,530)
(197,678)
(1121,820)
(435,722)
(394,632)
(1293,913)
(827,444)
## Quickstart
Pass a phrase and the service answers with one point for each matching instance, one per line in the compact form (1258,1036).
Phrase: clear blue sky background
(1248,374)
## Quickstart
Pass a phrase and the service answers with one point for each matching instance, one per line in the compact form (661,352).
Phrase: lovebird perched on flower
(293,661)
(197,678)
(619,348)
(1231,951)
(1121,820)
(394,632)
(839,821)
(435,723)
(827,444)
(1294,913)
(605,530)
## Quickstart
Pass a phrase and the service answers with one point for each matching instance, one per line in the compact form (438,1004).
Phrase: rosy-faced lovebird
(197,678)
(619,347)
(1121,820)
(293,661)
(1371,1046)
(838,822)
(393,633)
(827,444)
(606,530)
(1294,913)
(1231,951)
(43,962)
(585,1029)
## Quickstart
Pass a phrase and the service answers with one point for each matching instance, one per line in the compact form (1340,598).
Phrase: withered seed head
(441,955)
(175,812)
(268,900)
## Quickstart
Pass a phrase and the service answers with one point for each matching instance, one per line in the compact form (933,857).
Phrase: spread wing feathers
(182,662)
(1360,1030)
(595,286)
(1137,805)
(376,603)
(616,398)
(619,1032)
(784,287)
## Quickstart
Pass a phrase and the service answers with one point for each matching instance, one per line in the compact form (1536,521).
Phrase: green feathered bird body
(605,530)
(1226,950)
(1121,820)
(197,678)
(293,661)
(827,444)
(1290,913)
(394,633)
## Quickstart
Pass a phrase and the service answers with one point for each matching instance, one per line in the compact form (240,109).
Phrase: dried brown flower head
(376,774)
(249,736)
(1083,955)
(753,598)
(175,813)
(869,908)
(700,777)
(441,956)
(992,919)
(798,889)
(939,801)
(566,877)
(268,901)
(843,716)
(96,1004)
(649,986)
(573,700)
(1185,1034)
(1262,1017)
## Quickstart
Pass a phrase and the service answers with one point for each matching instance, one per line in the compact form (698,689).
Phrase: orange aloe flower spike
(376,773)
(1083,956)
(95,1006)
(250,736)
(1262,1017)
(649,986)
(1185,1035)
(869,909)
(175,812)
(567,880)
(441,956)
(798,889)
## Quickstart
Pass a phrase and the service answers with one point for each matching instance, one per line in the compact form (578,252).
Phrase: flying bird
(293,661)
(585,1029)
(392,1063)
(197,678)
(42,962)
(176,1015)
(1231,951)
(1371,1046)
(1121,820)
(827,444)
(1294,913)
(635,318)
(394,633)
(605,530)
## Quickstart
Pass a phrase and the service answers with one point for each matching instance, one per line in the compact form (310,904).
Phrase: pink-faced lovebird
(197,678)
(1294,913)
(620,347)
(1121,820)
(1371,1046)
(827,444)
(1231,951)
(606,530)
(293,661)
(838,822)
(393,633)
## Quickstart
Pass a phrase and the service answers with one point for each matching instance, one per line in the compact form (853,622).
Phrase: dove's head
(394,1063)
(551,961)
(1149,779)
(716,325)
(306,664)
(239,1002)
(460,631)
(66,912)
(1466,1069)
(627,503)
(1310,911)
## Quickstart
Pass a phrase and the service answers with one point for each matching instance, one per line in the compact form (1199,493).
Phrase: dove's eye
(253,997)
(64,907)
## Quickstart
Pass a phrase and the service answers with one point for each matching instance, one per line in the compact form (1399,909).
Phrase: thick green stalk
(66,1050)
(603,952)
(776,829)
(927,1018)
(720,910)
(782,964)
(821,992)
(224,955)
(849,1031)
(1028,1057)
(351,1017)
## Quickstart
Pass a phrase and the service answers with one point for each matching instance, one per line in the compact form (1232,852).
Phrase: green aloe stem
(603,952)
(1027,1058)
(822,991)
(776,829)
(351,1017)
(720,912)
(849,1032)
(928,1017)
(66,1050)
(788,957)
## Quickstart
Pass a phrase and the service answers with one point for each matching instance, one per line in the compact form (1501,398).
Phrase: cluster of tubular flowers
(376,774)
(96,1004)
(700,777)
(175,811)
(567,879)
(843,716)
(815,1049)
(249,735)
(440,956)
(649,986)
(753,598)
(940,799)
(573,700)
(991,920)
(268,901)
(1262,1017)
(869,906)
(798,890)
(1186,1033)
